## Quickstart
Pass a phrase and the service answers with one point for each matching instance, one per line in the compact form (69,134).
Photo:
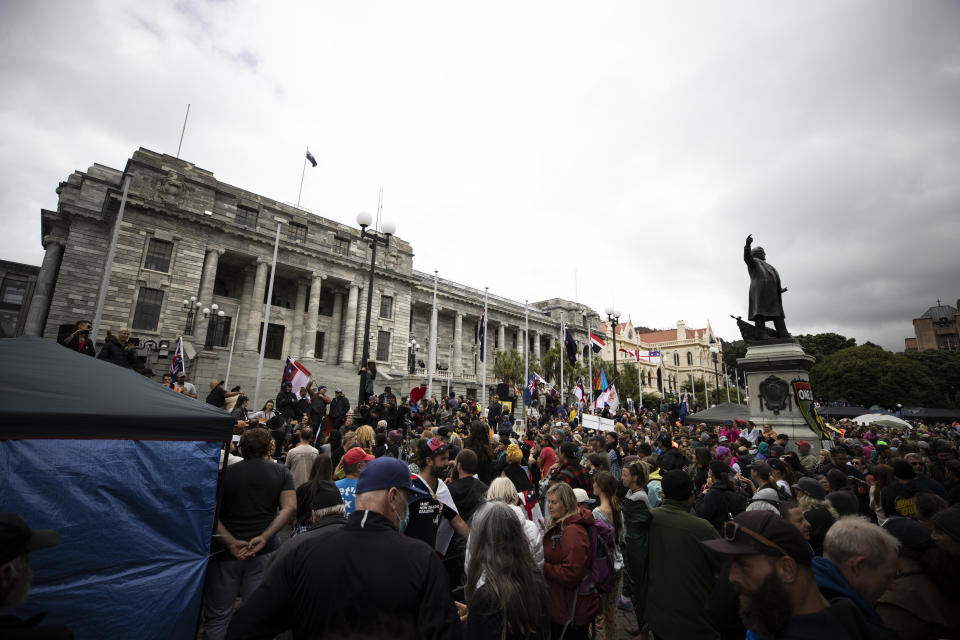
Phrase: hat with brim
(386,473)
(761,533)
(17,538)
(812,488)
(582,496)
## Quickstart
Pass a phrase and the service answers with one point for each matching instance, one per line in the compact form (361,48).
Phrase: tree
(944,369)
(508,365)
(629,387)
(733,351)
(869,375)
(821,345)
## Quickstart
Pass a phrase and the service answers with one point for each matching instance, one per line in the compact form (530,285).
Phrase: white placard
(597,423)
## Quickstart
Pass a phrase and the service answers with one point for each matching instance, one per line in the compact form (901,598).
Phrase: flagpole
(483,354)
(562,344)
(726,383)
(693,386)
(432,356)
(302,174)
(640,378)
(266,313)
(590,358)
(183,131)
(736,372)
(233,340)
(526,356)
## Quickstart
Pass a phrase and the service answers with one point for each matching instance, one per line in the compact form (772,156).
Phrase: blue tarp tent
(126,470)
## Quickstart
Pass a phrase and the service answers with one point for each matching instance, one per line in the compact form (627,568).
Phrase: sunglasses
(732,529)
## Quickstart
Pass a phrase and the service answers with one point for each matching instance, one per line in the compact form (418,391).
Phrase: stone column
(37,314)
(313,311)
(350,327)
(332,343)
(502,336)
(458,345)
(246,306)
(256,303)
(209,276)
(296,345)
(521,338)
(536,344)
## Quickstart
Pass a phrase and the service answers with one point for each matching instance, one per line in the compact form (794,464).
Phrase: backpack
(602,543)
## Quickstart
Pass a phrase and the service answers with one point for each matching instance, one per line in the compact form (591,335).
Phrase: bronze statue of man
(766,302)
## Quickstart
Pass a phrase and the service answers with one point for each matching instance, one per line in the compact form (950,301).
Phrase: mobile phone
(134,341)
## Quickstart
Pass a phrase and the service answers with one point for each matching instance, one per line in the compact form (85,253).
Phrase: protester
(433,514)
(916,606)
(505,590)
(778,595)
(17,541)
(567,468)
(859,563)
(258,499)
(301,457)
(218,395)
(898,498)
(674,606)
(504,491)
(636,520)
(608,510)
(816,510)
(79,340)
(354,461)
(478,441)
(386,585)
(321,472)
(468,492)
(566,561)
(119,349)
(721,500)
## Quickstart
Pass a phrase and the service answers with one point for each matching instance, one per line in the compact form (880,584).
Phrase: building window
(318,346)
(386,307)
(158,255)
(14,291)
(676,358)
(218,331)
(146,316)
(514,341)
(689,357)
(297,232)
(247,217)
(326,302)
(341,247)
(383,346)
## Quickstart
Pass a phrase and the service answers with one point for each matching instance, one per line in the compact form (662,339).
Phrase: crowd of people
(441,519)
(435,518)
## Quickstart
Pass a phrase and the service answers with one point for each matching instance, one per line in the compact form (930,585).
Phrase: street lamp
(191,306)
(412,347)
(374,238)
(613,317)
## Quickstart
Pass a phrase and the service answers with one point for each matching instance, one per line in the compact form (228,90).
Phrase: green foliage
(944,368)
(508,365)
(868,375)
(732,351)
(821,345)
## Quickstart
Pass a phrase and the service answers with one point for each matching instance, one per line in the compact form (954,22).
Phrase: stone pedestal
(771,368)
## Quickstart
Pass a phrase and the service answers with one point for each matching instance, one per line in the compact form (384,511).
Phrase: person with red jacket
(566,561)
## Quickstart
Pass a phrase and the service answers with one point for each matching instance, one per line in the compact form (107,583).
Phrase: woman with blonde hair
(566,561)
(503,490)
(366,438)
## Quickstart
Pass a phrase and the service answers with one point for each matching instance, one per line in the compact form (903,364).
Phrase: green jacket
(636,519)
(681,573)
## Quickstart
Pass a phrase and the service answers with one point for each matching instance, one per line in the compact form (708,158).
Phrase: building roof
(941,312)
(669,335)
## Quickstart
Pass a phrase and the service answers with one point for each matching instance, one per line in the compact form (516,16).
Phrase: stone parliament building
(188,242)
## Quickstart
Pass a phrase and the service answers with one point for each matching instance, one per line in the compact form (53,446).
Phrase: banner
(803,394)
(597,423)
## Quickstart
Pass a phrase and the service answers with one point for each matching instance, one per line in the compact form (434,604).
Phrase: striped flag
(296,374)
(176,364)
(311,159)
(596,343)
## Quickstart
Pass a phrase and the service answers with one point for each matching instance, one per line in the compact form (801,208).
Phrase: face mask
(405,520)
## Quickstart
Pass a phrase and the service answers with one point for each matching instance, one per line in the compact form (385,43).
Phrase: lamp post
(613,317)
(714,350)
(374,238)
(191,306)
(412,347)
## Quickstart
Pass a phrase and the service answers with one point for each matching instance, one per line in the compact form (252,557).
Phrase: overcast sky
(635,144)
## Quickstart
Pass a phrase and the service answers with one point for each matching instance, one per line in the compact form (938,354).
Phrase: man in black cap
(898,498)
(17,540)
(361,579)
(772,574)
(339,407)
